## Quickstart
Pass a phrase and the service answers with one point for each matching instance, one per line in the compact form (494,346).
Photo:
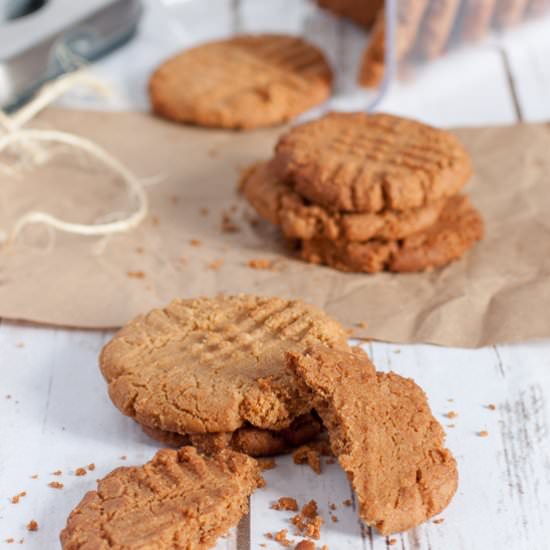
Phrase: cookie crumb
(260,263)
(10,540)
(80,472)
(281,538)
(91,467)
(451,400)
(267,464)
(391,542)
(451,425)
(56,485)
(451,414)
(216,264)
(34,476)
(228,225)
(32,525)
(155,220)
(396,351)
(123,457)
(195,242)
(139,249)
(15,499)
(19,344)
(491,406)
(330,461)
(483,433)
(347,502)
(174,199)
(204,211)
(305,545)
(57,473)
(334,518)
(268,536)
(363,324)
(324,547)
(438,521)
(306,455)
(308,522)
(285,503)
(136,274)
(332,506)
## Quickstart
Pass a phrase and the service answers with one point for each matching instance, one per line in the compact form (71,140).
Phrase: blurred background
(469,57)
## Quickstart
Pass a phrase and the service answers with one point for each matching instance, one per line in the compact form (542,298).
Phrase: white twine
(29,141)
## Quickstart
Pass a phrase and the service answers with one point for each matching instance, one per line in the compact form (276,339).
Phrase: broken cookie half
(384,435)
(179,499)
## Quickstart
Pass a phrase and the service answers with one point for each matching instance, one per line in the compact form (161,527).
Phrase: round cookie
(276,201)
(215,364)
(244,82)
(458,228)
(356,162)
(179,499)
(248,440)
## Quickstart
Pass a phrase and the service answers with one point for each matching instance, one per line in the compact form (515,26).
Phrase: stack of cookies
(243,82)
(190,373)
(368,193)
(206,366)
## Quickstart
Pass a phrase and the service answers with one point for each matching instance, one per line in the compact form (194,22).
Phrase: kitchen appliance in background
(41,39)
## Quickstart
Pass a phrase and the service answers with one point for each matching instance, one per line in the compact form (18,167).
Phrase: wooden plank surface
(55,413)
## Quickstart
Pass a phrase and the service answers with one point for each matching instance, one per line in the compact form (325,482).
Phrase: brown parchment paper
(499,292)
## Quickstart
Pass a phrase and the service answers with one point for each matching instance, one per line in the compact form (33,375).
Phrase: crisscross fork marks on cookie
(254,333)
(354,162)
(213,364)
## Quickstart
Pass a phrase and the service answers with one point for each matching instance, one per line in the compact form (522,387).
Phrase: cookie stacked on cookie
(211,372)
(368,193)
(206,371)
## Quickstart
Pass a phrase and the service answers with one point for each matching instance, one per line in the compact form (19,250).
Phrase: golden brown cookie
(356,162)
(243,82)
(361,257)
(361,11)
(248,440)
(214,364)
(177,500)
(409,17)
(437,27)
(384,435)
(277,202)
(458,228)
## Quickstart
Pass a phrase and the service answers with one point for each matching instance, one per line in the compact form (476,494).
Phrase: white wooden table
(54,409)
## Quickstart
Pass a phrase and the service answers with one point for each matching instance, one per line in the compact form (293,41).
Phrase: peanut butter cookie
(243,82)
(177,500)
(356,162)
(457,229)
(277,202)
(248,440)
(384,435)
(210,365)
